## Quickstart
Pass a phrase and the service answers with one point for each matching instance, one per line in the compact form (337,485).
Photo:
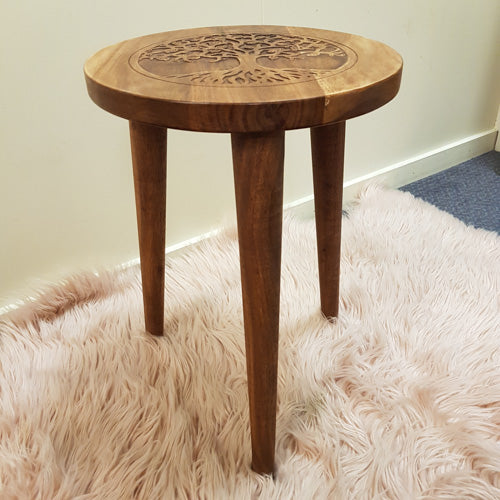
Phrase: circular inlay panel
(243,59)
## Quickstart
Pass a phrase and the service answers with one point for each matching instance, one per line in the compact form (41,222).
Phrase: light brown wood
(149,158)
(254,82)
(327,145)
(243,78)
(258,180)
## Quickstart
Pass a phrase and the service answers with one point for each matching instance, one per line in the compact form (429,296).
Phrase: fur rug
(399,399)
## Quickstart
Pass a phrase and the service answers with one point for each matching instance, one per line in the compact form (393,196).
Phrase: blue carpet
(470,191)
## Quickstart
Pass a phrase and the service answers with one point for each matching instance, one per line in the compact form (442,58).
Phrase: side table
(254,82)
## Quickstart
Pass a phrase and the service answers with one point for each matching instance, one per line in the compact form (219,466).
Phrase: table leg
(327,144)
(149,160)
(258,177)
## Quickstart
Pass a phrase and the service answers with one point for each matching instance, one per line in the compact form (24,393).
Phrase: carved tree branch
(246,48)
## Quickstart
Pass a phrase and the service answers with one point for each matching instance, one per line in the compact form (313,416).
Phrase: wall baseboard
(410,170)
(393,176)
(497,126)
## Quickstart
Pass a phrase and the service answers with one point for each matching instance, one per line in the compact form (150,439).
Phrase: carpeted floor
(469,191)
(399,399)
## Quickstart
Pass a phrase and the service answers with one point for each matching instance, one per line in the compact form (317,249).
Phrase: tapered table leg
(327,144)
(149,159)
(258,177)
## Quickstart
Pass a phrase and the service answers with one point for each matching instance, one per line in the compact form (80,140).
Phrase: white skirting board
(410,170)
(497,126)
(393,176)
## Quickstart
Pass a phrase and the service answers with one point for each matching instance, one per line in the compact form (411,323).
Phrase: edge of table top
(370,78)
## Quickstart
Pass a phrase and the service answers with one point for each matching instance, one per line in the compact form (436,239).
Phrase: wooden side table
(254,82)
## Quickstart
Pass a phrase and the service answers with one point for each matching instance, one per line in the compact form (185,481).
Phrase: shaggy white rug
(400,399)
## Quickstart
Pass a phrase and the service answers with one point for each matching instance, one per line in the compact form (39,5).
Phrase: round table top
(243,78)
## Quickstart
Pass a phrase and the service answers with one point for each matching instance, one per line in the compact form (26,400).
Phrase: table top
(243,78)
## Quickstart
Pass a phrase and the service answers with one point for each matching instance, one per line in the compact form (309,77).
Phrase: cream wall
(66,194)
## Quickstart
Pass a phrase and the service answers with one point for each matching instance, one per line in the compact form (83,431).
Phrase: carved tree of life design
(242,59)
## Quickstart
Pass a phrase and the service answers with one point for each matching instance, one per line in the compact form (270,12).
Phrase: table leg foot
(258,176)
(327,144)
(149,160)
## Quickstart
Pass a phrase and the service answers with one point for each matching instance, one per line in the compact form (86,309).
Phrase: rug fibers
(398,399)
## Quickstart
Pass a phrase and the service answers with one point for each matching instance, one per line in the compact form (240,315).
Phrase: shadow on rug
(399,399)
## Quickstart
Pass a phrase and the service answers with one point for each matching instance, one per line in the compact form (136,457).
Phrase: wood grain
(327,145)
(254,82)
(258,178)
(149,160)
(266,78)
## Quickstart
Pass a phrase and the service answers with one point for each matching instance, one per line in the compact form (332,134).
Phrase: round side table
(254,82)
